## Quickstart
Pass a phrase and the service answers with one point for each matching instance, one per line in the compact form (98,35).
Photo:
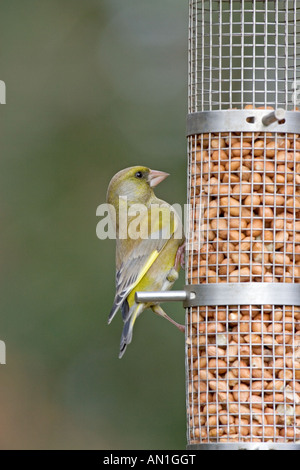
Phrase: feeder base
(245,446)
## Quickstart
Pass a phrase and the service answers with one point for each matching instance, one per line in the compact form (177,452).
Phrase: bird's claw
(180,257)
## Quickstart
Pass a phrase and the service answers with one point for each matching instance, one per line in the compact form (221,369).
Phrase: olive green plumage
(147,260)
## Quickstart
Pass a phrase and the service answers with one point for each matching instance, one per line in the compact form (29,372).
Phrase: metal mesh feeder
(243,240)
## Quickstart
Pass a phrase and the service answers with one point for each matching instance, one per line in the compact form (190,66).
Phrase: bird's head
(136,183)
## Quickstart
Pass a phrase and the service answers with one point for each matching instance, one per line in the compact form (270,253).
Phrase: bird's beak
(156,177)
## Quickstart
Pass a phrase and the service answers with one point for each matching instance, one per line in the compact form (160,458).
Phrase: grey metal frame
(245,120)
(254,293)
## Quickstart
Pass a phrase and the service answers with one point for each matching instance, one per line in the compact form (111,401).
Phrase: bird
(143,263)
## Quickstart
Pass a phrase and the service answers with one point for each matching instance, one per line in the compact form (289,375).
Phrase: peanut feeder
(243,325)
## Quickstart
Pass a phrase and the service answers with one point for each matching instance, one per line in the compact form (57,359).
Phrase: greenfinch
(148,258)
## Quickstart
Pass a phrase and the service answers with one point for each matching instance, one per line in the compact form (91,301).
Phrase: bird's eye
(139,174)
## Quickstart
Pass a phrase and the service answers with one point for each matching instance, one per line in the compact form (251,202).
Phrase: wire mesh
(243,361)
(243,52)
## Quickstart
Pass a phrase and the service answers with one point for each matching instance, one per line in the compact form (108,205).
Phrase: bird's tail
(126,336)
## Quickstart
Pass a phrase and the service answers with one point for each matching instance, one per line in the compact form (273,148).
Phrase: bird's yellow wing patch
(149,263)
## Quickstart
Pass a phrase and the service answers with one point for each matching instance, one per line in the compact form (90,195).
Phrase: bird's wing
(139,255)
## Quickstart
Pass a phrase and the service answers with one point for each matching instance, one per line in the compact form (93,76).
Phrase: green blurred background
(93,86)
